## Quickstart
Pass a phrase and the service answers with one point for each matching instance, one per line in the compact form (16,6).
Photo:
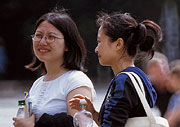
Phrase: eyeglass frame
(46,38)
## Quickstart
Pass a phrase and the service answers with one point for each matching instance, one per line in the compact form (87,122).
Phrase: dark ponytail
(139,34)
(153,37)
(137,37)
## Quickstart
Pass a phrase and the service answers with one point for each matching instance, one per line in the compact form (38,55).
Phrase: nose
(96,49)
(43,41)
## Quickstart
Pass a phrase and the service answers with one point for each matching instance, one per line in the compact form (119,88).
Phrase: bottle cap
(82,101)
(21,102)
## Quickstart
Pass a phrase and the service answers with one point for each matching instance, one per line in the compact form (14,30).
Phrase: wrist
(94,111)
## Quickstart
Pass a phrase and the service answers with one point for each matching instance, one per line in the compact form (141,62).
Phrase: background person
(173,111)
(60,54)
(157,70)
(174,63)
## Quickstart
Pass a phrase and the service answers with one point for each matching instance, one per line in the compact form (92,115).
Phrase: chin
(103,64)
(100,62)
(41,59)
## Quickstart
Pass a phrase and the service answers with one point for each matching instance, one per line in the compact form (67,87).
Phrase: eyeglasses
(48,38)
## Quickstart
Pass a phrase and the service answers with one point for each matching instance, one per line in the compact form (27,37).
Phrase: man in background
(158,72)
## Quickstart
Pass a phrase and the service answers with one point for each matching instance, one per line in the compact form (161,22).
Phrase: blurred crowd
(165,78)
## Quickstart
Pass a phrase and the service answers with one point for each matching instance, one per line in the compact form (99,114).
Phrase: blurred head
(158,70)
(75,54)
(174,63)
(175,79)
(133,36)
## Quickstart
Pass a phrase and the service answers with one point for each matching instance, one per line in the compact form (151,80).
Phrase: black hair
(143,36)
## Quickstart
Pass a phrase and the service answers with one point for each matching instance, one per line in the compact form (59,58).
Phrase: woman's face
(105,49)
(51,46)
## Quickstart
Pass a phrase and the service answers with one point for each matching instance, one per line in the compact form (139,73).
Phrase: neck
(122,64)
(54,71)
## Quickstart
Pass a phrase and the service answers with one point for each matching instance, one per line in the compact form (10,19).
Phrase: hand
(24,122)
(74,103)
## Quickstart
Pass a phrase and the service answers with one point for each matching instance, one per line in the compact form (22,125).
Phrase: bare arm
(85,91)
(95,117)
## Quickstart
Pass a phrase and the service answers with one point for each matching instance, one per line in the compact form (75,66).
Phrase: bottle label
(20,113)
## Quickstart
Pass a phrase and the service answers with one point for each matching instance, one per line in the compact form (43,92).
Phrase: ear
(119,43)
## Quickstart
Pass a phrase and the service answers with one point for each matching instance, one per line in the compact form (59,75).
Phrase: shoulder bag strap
(141,95)
(139,82)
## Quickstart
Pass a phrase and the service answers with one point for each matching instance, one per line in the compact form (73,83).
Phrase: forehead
(45,26)
(101,32)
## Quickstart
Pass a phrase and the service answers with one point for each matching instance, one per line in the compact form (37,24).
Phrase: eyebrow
(48,33)
(53,33)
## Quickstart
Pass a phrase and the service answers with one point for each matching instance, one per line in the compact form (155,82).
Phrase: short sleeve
(35,87)
(78,79)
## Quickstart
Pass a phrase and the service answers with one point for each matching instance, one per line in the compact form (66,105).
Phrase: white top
(50,96)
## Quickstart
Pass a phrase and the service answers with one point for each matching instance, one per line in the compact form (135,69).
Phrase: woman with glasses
(120,40)
(59,52)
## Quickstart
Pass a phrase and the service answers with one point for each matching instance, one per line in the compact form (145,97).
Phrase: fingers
(87,100)
(22,122)
(74,100)
(14,124)
(79,96)
(74,103)
(32,118)
(15,119)
(75,106)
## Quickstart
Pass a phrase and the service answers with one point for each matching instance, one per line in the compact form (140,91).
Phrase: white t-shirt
(50,96)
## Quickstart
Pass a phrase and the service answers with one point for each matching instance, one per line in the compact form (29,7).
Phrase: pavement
(12,91)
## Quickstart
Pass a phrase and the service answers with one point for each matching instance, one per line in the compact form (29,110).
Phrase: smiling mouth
(43,50)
